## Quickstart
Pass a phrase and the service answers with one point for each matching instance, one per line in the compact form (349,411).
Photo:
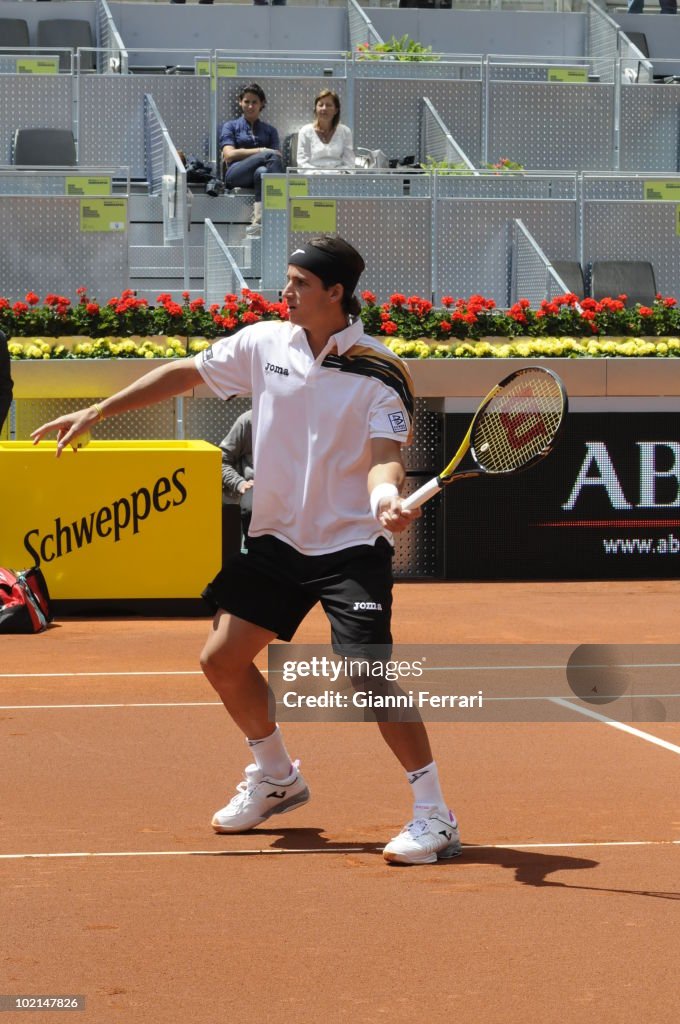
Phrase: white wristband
(379,492)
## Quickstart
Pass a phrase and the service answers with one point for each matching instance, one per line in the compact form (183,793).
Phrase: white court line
(266,851)
(93,675)
(631,730)
(156,704)
(197,672)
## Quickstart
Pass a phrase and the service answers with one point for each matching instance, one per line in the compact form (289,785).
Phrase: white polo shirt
(313,420)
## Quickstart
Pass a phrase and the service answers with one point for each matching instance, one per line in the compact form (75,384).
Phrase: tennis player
(332,409)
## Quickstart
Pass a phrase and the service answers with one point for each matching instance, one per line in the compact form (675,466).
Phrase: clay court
(564,906)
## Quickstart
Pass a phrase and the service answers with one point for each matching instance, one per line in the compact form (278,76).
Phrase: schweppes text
(114,520)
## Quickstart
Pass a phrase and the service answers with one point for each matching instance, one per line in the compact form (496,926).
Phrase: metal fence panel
(387,114)
(45,245)
(111,112)
(649,132)
(221,274)
(473,241)
(552,125)
(35,101)
(633,229)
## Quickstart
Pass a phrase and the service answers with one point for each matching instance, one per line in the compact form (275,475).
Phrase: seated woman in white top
(325,145)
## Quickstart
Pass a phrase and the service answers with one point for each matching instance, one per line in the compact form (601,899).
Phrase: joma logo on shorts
(272,368)
(367,606)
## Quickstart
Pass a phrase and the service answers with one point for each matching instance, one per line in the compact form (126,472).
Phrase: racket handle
(423,494)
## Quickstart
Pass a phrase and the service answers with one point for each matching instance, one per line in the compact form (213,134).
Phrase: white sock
(271,756)
(425,788)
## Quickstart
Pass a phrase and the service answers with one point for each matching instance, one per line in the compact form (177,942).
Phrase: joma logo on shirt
(367,606)
(272,368)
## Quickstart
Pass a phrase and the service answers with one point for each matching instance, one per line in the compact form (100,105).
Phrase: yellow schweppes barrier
(117,519)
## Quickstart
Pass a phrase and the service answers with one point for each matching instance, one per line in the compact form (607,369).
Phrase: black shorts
(274,586)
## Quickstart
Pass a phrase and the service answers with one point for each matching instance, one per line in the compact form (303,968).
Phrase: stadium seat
(571,272)
(44,147)
(632,278)
(13,32)
(68,33)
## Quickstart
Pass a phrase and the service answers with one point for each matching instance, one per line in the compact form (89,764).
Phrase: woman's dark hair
(257,90)
(350,262)
(336,99)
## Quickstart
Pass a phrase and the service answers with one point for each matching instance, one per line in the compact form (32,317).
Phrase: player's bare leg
(409,743)
(272,785)
(227,661)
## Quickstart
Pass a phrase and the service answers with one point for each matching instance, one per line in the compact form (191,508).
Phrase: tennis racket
(516,426)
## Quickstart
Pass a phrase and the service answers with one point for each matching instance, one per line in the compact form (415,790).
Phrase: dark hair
(350,259)
(257,90)
(336,99)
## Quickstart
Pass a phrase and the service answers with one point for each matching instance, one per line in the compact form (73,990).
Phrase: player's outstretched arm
(159,384)
(385,480)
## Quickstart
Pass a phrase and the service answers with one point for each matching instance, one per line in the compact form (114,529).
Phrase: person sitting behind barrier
(325,144)
(667,6)
(238,475)
(6,385)
(250,148)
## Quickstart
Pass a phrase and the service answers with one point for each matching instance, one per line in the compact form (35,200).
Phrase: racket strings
(518,423)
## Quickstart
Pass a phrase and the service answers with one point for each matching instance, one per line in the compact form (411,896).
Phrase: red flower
(173,308)
(397,299)
(389,327)
(20,307)
(185,295)
(81,291)
(668,301)
(92,308)
(445,326)
(32,299)
(4,303)
(250,318)
(368,297)
(196,305)
(646,311)
(447,300)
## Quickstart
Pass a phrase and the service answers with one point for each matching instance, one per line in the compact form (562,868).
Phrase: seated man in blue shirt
(250,148)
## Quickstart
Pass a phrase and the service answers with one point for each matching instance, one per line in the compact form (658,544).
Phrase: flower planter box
(76,378)
(436,378)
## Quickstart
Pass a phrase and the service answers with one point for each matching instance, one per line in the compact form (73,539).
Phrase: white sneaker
(425,839)
(258,797)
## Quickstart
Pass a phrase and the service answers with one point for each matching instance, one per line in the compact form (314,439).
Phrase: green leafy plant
(432,166)
(404,48)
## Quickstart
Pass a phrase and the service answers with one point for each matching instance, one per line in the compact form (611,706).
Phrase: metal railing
(602,41)
(112,57)
(167,177)
(362,32)
(221,275)
(533,275)
(436,141)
